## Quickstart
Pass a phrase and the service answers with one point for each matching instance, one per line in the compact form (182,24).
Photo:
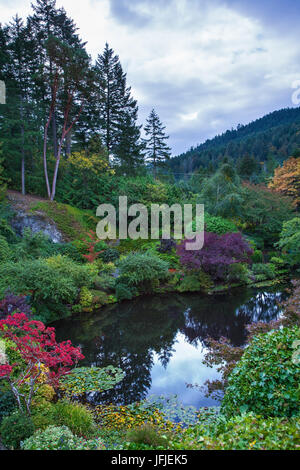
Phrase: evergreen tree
(157,151)
(222,192)
(247,165)
(117,111)
(19,123)
(129,151)
(49,22)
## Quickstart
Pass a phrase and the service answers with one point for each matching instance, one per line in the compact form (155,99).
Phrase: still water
(159,342)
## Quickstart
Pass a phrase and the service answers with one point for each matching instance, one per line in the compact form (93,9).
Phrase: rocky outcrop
(37,222)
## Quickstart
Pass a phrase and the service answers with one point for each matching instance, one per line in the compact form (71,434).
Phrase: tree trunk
(54,132)
(68,144)
(45,159)
(23,176)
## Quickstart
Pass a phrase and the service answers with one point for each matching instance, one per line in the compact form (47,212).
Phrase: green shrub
(264,272)
(59,438)
(6,231)
(190,283)
(257,256)
(246,432)
(15,428)
(142,270)
(109,255)
(53,283)
(33,246)
(290,241)
(266,379)
(219,225)
(75,416)
(86,297)
(123,292)
(105,282)
(171,258)
(147,435)
(5,251)
(7,403)
(69,250)
(43,414)
(238,272)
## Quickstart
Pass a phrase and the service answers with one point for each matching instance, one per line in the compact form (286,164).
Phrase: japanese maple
(41,354)
(91,247)
(218,252)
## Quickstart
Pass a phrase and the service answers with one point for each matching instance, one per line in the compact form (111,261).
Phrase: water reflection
(159,342)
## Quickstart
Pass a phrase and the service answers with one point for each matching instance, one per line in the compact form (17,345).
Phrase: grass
(72,222)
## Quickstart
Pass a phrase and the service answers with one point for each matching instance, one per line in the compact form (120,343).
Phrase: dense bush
(52,283)
(75,416)
(238,272)
(195,282)
(5,251)
(263,272)
(217,254)
(266,379)
(257,256)
(15,428)
(109,255)
(246,432)
(264,212)
(289,241)
(124,292)
(142,271)
(43,414)
(59,438)
(33,246)
(146,436)
(7,403)
(218,225)
(6,231)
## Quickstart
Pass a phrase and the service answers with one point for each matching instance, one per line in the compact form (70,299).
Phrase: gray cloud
(205,65)
(125,12)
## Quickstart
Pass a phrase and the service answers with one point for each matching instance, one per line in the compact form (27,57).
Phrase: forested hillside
(268,141)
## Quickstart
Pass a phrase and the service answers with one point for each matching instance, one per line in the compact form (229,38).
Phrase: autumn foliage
(90,245)
(287,179)
(40,355)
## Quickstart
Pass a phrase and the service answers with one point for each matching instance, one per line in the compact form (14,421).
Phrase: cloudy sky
(205,65)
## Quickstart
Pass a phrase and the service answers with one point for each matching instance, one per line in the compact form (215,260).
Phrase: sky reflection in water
(160,341)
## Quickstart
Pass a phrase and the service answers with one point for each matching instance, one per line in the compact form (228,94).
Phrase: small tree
(91,247)
(41,354)
(157,150)
(287,179)
(217,254)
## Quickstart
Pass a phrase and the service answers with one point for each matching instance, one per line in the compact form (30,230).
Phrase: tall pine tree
(157,150)
(117,112)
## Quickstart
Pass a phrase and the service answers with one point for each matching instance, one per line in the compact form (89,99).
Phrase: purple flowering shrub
(217,254)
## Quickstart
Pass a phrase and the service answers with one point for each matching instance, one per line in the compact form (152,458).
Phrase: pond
(160,341)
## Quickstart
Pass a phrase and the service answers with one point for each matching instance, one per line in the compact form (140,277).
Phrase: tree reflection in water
(145,335)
